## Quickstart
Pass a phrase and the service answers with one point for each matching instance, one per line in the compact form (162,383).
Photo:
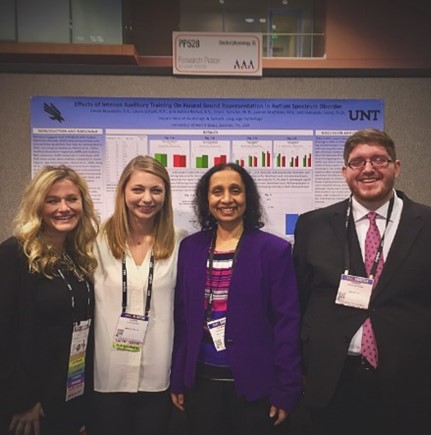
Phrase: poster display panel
(293,148)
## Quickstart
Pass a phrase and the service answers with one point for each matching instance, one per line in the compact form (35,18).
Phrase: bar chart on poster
(207,153)
(292,148)
(293,154)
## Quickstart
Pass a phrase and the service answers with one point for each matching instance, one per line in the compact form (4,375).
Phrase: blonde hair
(42,255)
(117,228)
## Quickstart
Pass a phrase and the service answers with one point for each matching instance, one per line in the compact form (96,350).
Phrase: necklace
(68,264)
(141,240)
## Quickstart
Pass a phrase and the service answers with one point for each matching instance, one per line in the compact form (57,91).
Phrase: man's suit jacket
(400,306)
(262,329)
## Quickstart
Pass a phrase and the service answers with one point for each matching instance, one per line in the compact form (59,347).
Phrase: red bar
(254,162)
(179,161)
(176,160)
(309,160)
(268,159)
(296,164)
(220,159)
(283,162)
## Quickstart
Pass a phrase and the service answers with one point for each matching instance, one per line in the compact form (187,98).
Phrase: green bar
(202,162)
(205,161)
(162,158)
(250,161)
(263,159)
(304,161)
(278,160)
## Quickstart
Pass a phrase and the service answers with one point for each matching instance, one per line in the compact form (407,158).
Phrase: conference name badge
(217,328)
(76,370)
(130,332)
(354,291)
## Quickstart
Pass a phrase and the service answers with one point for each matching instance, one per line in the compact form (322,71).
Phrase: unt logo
(363,115)
(243,65)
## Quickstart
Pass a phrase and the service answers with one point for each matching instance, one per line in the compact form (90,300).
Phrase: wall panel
(407,115)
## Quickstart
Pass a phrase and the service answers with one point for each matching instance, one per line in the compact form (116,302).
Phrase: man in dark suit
(347,391)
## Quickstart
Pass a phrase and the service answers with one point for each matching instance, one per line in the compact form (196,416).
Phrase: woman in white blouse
(134,288)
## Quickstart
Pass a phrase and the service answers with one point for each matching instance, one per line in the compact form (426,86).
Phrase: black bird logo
(53,112)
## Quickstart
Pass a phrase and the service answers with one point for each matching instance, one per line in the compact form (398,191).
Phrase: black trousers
(359,407)
(130,413)
(214,408)
(354,409)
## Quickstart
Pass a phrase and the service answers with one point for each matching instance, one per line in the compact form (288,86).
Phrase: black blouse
(36,321)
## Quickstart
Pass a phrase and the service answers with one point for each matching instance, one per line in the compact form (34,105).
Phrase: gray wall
(407,115)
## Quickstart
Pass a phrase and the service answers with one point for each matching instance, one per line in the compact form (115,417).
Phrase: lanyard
(72,297)
(149,288)
(211,266)
(379,250)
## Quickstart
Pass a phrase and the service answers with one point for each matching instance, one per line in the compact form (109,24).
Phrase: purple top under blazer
(262,327)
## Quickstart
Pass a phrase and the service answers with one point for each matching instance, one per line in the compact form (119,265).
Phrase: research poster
(291,147)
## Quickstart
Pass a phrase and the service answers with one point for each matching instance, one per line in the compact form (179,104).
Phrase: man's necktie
(372,243)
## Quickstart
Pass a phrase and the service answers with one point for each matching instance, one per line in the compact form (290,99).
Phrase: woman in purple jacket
(236,359)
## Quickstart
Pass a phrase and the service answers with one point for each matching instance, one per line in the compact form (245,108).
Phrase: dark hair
(369,136)
(253,215)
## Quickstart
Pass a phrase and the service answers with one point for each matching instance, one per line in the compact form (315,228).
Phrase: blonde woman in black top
(46,307)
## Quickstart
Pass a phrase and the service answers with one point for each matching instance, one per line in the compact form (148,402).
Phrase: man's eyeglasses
(376,162)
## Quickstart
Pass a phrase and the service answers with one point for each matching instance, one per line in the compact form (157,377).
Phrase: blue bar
(291,223)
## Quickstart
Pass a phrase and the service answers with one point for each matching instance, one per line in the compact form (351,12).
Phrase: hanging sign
(224,54)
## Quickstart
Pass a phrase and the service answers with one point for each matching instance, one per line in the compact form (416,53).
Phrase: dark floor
(293,426)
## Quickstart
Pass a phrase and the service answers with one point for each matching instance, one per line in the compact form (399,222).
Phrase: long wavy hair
(117,228)
(42,255)
(253,215)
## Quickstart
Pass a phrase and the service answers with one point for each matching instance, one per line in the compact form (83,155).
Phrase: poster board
(291,147)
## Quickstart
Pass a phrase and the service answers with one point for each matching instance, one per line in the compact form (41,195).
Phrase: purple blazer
(262,326)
